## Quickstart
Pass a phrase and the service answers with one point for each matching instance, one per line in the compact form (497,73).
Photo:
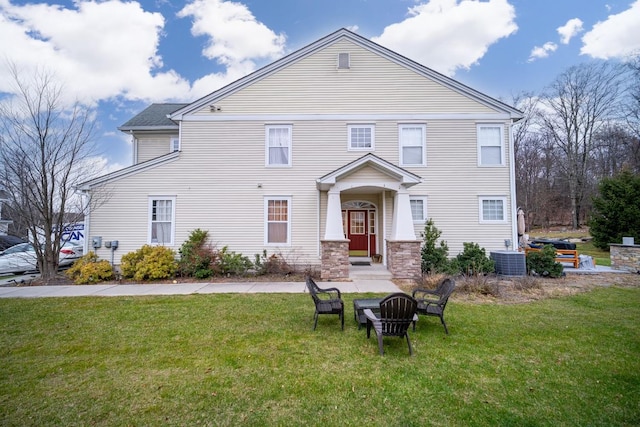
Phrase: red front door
(358,233)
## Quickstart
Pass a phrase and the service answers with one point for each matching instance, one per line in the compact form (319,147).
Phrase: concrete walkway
(356,286)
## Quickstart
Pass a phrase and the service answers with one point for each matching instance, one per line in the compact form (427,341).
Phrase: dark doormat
(360,263)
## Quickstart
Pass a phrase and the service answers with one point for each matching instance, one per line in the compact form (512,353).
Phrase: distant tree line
(584,127)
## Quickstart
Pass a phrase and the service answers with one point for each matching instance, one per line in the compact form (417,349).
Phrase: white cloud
(234,33)
(449,34)
(101,50)
(543,51)
(570,29)
(109,49)
(234,38)
(98,166)
(616,37)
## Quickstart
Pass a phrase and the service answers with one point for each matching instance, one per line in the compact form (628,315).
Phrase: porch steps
(369,272)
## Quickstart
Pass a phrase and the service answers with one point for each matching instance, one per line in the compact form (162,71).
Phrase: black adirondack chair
(397,312)
(432,302)
(327,301)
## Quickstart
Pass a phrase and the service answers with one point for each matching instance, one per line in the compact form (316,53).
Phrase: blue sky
(121,56)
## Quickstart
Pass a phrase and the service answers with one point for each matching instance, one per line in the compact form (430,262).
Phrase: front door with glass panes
(359,226)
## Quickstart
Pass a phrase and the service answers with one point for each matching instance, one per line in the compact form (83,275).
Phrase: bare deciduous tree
(44,145)
(575,107)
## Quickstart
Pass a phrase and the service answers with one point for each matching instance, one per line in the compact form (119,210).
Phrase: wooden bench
(562,255)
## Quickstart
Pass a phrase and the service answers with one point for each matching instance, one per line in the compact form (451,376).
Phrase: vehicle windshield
(23,247)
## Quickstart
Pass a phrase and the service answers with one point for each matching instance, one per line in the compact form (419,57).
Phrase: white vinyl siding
(412,139)
(418,209)
(277,227)
(493,209)
(151,146)
(161,220)
(361,137)
(490,145)
(278,145)
(376,85)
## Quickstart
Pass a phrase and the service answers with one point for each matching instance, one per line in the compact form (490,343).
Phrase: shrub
(526,283)
(473,260)
(616,210)
(429,281)
(233,263)
(197,258)
(273,264)
(543,262)
(149,263)
(434,258)
(89,270)
(478,284)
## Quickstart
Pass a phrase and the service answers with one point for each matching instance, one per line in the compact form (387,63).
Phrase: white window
(418,208)
(162,219)
(493,209)
(277,213)
(278,145)
(490,141)
(361,137)
(412,145)
(174,144)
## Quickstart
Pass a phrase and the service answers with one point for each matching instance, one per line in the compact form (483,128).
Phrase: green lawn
(253,360)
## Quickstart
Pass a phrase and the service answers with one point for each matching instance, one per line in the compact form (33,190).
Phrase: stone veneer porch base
(334,259)
(403,258)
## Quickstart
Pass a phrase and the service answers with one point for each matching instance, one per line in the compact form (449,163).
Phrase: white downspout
(134,148)
(512,189)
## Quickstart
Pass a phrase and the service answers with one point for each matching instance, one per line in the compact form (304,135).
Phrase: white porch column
(333,228)
(402,227)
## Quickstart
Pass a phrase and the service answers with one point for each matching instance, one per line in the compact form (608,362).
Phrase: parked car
(7,241)
(22,257)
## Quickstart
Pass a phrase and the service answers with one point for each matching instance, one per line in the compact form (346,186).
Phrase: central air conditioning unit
(509,263)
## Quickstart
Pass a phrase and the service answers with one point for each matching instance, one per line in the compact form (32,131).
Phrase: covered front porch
(367,214)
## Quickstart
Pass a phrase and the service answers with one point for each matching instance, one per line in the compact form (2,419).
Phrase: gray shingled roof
(153,117)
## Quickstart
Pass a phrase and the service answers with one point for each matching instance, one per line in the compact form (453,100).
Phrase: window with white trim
(174,144)
(361,137)
(493,209)
(418,209)
(162,220)
(278,145)
(277,227)
(412,140)
(490,145)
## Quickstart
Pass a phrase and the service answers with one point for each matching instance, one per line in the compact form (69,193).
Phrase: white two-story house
(340,149)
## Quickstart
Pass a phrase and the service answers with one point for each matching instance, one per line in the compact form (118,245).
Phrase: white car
(22,257)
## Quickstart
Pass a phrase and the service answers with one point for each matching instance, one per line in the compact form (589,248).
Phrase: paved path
(356,286)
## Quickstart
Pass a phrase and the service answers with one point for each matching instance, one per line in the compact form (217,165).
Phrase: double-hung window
(174,144)
(490,145)
(278,145)
(412,145)
(162,220)
(361,137)
(277,221)
(418,209)
(493,210)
